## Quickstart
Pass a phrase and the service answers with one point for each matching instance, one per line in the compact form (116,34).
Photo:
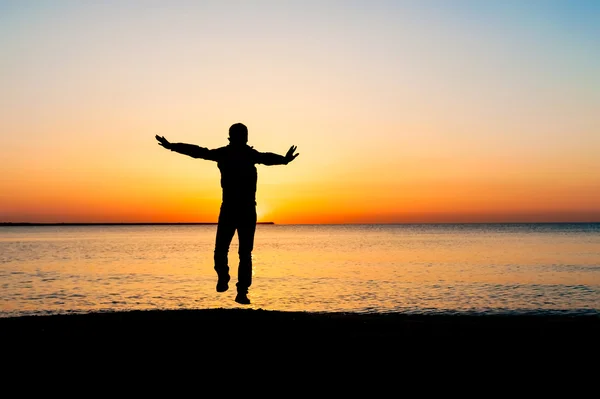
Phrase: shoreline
(309,324)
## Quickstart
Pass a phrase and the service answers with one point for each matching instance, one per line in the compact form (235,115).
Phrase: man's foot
(242,298)
(223,283)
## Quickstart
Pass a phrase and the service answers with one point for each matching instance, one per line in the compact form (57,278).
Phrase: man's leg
(246,230)
(225,232)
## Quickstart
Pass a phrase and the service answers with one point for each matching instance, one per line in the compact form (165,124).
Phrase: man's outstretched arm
(268,158)
(191,150)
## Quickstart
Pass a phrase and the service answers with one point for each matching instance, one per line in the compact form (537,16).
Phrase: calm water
(494,268)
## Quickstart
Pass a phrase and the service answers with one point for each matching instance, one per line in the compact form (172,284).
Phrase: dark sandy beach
(233,350)
(261,331)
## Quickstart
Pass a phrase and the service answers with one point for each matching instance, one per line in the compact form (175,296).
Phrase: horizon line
(109,223)
(23,224)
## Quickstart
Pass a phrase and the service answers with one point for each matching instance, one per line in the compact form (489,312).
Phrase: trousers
(232,218)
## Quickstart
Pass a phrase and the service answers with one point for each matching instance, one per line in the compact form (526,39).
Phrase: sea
(542,268)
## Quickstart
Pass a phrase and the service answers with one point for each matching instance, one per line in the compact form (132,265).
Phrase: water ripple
(370,269)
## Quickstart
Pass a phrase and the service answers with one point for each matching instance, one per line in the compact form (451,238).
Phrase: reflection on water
(351,268)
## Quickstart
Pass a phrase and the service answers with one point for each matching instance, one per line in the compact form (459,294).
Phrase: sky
(402,111)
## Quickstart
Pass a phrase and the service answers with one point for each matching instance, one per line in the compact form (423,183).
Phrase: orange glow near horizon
(169,187)
(301,204)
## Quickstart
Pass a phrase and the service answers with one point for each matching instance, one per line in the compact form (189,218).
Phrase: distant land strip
(114,224)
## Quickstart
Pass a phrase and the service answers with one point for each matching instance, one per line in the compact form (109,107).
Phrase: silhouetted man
(236,162)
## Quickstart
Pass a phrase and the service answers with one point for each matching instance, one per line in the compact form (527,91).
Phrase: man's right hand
(163,142)
(290,156)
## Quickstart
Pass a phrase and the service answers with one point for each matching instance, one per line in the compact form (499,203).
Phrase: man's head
(238,134)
